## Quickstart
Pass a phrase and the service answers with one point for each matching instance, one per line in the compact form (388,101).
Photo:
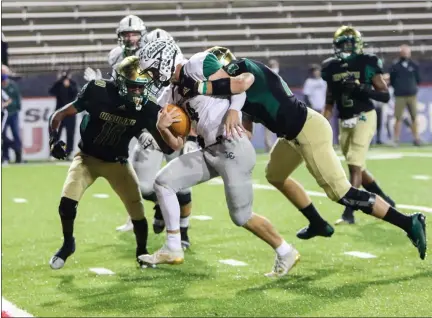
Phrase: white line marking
(322,194)
(61,163)
(201,217)
(232,262)
(102,271)
(360,254)
(414,207)
(19,200)
(13,310)
(101,195)
(421,177)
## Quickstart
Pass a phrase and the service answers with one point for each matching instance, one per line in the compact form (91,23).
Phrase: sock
(396,218)
(67,226)
(283,249)
(312,214)
(184,221)
(141,233)
(374,188)
(348,212)
(169,205)
(174,241)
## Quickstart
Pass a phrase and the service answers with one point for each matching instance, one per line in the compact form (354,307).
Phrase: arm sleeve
(237,101)
(82,101)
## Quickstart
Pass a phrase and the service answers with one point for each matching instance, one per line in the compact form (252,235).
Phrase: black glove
(57,147)
(187,86)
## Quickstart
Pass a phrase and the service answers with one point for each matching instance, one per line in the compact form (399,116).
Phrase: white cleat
(283,264)
(164,256)
(56,262)
(128,226)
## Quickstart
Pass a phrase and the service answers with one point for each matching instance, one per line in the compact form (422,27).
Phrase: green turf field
(326,282)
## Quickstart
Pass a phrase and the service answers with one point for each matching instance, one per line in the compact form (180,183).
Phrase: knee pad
(359,200)
(184,198)
(151,196)
(68,208)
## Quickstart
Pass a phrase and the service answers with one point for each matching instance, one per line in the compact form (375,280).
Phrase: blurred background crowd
(45,50)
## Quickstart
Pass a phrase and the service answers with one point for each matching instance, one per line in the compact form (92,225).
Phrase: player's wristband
(192,138)
(222,86)
(383,97)
(201,88)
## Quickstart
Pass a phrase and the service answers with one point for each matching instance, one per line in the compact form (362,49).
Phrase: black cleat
(59,259)
(311,231)
(417,234)
(185,243)
(158,221)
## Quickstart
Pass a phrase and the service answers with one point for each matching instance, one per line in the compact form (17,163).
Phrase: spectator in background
(4,104)
(4,50)
(12,120)
(268,135)
(65,91)
(404,78)
(314,89)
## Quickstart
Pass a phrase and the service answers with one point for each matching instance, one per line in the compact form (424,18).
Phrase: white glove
(190,146)
(90,74)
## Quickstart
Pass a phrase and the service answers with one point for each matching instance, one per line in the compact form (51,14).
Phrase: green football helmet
(223,54)
(132,82)
(347,42)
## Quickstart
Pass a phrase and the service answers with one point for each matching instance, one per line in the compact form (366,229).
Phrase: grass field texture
(326,282)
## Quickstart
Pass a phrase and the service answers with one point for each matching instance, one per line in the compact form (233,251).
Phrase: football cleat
(158,221)
(59,258)
(164,256)
(417,235)
(128,226)
(283,264)
(311,231)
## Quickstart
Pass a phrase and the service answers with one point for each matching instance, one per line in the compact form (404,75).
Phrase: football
(181,128)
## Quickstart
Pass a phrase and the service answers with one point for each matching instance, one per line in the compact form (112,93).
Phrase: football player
(231,158)
(353,79)
(116,112)
(303,135)
(146,156)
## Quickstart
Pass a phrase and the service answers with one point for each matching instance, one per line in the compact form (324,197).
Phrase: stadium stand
(42,35)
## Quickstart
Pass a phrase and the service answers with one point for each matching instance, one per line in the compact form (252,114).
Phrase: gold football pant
(85,169)
(355,141)
(314,145)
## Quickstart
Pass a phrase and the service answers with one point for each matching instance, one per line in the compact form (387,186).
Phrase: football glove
(91,74)
(57,147)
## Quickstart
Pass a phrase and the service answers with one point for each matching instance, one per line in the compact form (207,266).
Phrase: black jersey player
(117,111)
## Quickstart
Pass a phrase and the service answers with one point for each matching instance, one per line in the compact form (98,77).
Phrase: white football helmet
(159,58)
(130,23)
(157,34)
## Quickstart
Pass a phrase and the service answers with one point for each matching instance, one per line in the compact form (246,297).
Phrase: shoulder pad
(115,56)
(329,61)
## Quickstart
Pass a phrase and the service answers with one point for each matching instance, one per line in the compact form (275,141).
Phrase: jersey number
(110,135)
(192,112)
(346,101)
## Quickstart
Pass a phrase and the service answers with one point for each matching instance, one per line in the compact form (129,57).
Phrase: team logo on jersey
(230,69)
(122,107)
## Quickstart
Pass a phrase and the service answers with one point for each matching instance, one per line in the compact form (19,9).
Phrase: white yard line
(101,271)
(20,200)
(201,217)
(12,310)
(421,177)
(360,254)
(232,262)
(101,195)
